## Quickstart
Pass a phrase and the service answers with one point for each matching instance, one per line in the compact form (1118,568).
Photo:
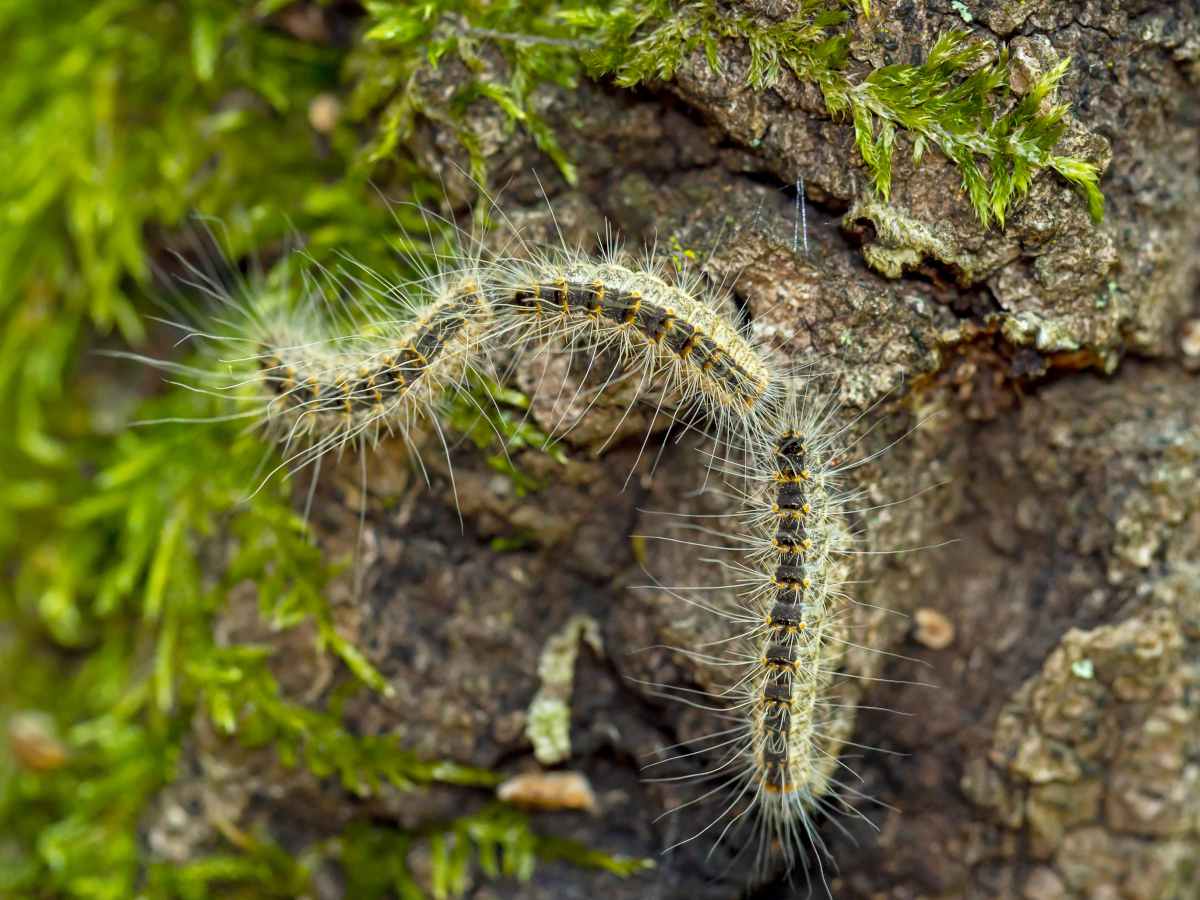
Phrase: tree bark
(1038,677)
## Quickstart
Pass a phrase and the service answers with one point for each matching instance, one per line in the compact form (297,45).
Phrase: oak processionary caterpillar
(676,334)
(321,388)
(794,707)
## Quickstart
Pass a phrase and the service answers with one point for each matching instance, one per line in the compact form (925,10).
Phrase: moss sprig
(109,630)
(122,120)
(638,41)
(490,414)
(403,41)
(497,840)
(243,698)
(998,144)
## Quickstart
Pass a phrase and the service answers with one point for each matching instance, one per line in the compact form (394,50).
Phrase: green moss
(636,41)
(122,585)
(970,118)
(404,40)
(112,134)
(254,868)
(954,100)
(106,627)
(242,698)
(497,840)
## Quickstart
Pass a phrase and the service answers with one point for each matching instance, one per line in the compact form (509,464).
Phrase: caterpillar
(670,328)
(385,380)
(791,700)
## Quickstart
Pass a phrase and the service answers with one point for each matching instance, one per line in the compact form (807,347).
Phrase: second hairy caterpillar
(791,700)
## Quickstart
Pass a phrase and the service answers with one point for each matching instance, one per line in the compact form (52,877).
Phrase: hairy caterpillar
(791,700)
(669,328)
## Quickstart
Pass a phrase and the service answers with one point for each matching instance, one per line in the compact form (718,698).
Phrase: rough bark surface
(1050,748)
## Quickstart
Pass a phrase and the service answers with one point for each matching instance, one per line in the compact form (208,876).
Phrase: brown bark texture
(1030,726)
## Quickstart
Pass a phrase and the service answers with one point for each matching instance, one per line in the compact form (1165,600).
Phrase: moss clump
(403,40)
(114,134)
(127,585)
(637,41)
(954,100)
(497,840)
(971,119)
(131,585)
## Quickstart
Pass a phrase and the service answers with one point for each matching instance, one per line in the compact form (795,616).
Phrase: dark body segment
(394,373)
(656,323)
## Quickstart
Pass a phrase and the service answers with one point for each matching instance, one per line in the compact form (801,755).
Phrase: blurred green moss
(120,544)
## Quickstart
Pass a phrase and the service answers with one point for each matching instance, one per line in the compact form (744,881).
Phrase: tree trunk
(1031,722)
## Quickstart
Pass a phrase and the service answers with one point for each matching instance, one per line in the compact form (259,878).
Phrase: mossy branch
(954,100)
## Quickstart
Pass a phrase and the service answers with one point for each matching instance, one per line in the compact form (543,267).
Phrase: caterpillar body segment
(687,332)
(383,380)
(678,337)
